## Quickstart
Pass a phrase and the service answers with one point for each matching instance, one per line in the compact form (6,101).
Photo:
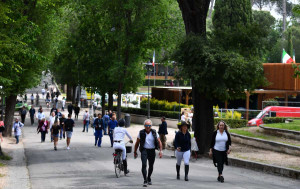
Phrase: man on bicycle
(118,136)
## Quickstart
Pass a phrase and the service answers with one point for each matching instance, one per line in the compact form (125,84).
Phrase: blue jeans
(98,137)
(61,132)
(43,136)
(17,138)
(111,139)
(105,128)
(86,126)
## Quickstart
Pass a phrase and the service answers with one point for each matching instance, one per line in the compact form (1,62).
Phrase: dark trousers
(111,139)
(32,120)
(43,136)
(17,139)
(98,137)
(23,118)
(220,159)
(147,154)
(76,115)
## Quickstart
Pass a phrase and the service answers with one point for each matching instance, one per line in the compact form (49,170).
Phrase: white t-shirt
(86,116)
(51,121)
(63,102)
(183,117)
(119,134)
(149,142)
(221,140)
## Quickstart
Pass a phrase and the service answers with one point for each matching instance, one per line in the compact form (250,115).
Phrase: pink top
(1,123)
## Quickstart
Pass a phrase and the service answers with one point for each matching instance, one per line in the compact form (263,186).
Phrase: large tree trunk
(120,88)
(103,103)
(194,13)
(74,94)
(9,114)
(110,101)
(69,93)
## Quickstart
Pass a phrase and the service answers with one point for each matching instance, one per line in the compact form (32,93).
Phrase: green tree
(290,48)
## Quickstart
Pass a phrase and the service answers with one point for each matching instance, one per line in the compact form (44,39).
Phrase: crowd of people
(148,140)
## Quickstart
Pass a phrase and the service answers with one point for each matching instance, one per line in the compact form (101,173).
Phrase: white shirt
(63,102)
(119,134)
(149,142)
(51,121)
(221,140)
(183,117)
(17,128)
(86,116)
(40,115)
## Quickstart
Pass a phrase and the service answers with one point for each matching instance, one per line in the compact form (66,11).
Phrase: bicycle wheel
(118,166)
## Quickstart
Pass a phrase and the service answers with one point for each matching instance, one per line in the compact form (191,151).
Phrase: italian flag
(286,59)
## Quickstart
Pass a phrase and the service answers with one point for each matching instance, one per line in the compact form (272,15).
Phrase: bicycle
(118,162)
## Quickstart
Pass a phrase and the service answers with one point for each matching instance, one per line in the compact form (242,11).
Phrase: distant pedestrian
(86,121)
(53,109)
(58,114)
(32,114)
(98,125)
(17,129)
(147,141)
(43,93)
(43,129)
(62,123)
(183,117)
(106,118)
(51,122)
(55,132)
(37,99)
(56,102)
(220,147)
(76,111)
(95,104)
(70,109)
(162,131)
(2,128)
(68,130)
(48,95)
(40,116)
(110,114)
(32,98)
(23,113)
(182,145)
(52,96)
(63,103)
(112,124)
(25,98)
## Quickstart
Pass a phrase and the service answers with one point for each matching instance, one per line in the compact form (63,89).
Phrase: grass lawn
(295,125)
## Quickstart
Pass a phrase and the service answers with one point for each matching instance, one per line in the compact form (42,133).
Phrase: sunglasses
(147,125)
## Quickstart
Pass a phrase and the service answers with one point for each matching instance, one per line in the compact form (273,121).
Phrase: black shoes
(186,169)
(145,183)
(55,148)
(221,179)
(149,181)
(178,171)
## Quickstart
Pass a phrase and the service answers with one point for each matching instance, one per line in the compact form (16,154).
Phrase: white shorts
(120,146)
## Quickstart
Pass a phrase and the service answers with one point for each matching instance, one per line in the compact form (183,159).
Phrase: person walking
(70,109)
(147,141)
(40,115)
(37,97)
(106,119)
(220,147)
(23,113)
(2,128)
(43,93)
(86,121)
(182,144)
(55,132)
(76,111)
(162,131)
(63,103)
(51,122)
(62,122)
(98,125)
(43,129)
(53,109)
(25,98)
(32,114)
(118,138)
(68,129)
(32,98)
(17,129)
(112,124)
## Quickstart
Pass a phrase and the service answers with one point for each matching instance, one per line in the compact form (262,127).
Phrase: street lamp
(148,72)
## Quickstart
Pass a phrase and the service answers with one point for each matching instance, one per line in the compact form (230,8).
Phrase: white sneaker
(68,148)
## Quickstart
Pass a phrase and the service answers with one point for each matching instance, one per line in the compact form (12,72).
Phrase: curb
(270,169)
(266,144)
(281,132)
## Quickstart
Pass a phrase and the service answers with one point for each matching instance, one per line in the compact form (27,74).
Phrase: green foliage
(5,157)
(269,120)
(290,44)
(218,73)
(295,125)
(161,82)
(271,102)
(162,105)
(296,10)
(232,123)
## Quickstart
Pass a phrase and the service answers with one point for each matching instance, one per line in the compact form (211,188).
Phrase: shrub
(162,105)
(234,115)
(232,123)
(268,120)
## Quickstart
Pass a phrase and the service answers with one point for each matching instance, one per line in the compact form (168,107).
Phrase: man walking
(98,124)
(62,123)
(70,109)
(106,118)
(112,124)
(162,131)
(51,122)
(23,113)
(32,99)
(37,99)
(40,116)
(86,121)
(63,103)
(32,114)
(68,130)
(53,109)
(76,111)
(147,141)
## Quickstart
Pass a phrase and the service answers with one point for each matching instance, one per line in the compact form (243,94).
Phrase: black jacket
(212,144)
(163,128)
(183,141)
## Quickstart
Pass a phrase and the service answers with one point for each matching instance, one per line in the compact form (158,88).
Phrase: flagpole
(154,74)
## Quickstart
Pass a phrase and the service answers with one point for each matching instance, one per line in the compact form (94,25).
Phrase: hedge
(232,123)
(162,105)
(268,120)
(161,82)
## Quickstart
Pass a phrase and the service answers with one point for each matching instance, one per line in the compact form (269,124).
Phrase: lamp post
(148,72)
(179,91)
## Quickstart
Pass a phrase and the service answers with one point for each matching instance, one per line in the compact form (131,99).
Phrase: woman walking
(55,132)
(220,148)
(2,128)
(43,129)
(17,129)
(182,145)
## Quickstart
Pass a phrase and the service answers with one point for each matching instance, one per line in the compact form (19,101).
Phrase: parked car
(19,106)
(274,111)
